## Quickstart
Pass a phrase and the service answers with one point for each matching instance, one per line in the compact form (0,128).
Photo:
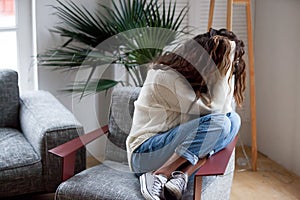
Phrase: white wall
(91,111)
(277,46)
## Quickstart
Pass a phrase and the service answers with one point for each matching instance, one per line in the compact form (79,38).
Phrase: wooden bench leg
(197,187)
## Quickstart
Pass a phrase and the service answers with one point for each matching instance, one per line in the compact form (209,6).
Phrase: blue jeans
(192,140)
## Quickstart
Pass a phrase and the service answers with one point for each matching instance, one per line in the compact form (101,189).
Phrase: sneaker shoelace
(157,186)
(180,181)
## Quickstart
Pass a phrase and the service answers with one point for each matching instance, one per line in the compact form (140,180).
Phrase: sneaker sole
(144,190)
(171,193)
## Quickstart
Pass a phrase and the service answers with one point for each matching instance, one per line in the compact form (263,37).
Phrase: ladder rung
(240,1)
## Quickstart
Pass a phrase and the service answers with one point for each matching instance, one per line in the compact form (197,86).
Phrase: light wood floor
(270,182)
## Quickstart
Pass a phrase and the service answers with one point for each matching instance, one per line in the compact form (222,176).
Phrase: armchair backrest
(9,99)
(120,121)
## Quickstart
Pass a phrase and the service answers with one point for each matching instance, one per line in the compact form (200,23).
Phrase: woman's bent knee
(222,122)
(235,120)
(235,117)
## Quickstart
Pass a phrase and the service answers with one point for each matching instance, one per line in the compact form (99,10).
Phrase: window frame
(24,39)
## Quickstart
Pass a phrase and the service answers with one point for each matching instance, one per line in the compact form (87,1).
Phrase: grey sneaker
(152,186)
(175,187)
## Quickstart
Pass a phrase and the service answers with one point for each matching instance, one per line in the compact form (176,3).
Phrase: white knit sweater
(167,100)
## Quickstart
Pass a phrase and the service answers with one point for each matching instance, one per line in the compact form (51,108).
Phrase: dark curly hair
(195,63)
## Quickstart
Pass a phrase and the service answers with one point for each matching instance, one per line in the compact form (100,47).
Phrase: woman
(184,112)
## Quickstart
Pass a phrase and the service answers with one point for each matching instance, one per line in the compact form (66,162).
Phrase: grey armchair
(30,125)
(112,180)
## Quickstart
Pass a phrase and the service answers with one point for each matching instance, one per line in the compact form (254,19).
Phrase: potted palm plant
(130,33)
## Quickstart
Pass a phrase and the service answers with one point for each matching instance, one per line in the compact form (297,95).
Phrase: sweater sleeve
(177,95)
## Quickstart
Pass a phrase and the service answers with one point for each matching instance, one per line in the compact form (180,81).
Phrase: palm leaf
(75,57)
(84,31)
(93,87)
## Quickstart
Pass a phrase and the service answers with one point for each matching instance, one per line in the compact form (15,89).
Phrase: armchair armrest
(46,123)
(215,165)
(41,115)
(68,150)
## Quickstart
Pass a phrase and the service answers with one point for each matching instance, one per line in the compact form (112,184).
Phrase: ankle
(163,172)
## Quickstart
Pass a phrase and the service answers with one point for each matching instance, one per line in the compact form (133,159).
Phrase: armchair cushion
(9,99)
(113,181)
(20,166)
(110,180)
(16,151)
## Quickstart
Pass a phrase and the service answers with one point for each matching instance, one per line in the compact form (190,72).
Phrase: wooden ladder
(247,4)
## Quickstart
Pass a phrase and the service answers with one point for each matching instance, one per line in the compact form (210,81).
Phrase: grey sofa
(30,125)
(112,179)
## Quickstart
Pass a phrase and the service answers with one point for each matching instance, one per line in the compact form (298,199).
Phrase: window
(16,49)
(8,34)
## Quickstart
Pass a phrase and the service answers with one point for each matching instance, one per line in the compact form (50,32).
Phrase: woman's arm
(177,95)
